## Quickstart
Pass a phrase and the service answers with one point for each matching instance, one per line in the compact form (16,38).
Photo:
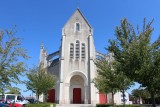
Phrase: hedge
(41,105)
(104,105)
(111,105)
(128,106)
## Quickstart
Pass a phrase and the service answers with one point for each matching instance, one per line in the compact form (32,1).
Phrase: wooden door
(77,96)
(51,96)
(102,98)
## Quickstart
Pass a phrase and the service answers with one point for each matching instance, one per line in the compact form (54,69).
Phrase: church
(73,64)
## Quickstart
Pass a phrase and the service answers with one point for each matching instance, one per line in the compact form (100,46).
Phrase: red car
(15,105)
(12,104)
(17,99)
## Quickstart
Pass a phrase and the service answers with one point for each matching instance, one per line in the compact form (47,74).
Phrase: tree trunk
(124,101)
(153,99)
(3,93)
(113,98)
(38,96)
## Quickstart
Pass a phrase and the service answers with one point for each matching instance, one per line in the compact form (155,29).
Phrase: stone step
(75,105)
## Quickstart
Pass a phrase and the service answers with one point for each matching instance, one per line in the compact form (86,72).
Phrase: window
(77,27)
(83,51)
(77,49)
(19,98)
(10,97)
(1,97)
(71,50)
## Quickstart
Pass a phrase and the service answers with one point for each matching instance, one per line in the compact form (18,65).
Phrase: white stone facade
(74,67)
(118,98)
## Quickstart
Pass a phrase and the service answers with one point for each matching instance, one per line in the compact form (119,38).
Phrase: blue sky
(40,21)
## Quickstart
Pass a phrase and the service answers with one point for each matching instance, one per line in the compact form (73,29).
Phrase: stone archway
(77,90)
(77,84)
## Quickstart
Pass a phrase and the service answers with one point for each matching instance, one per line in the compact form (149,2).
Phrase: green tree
(12,57)
(138,58)
(39,81)
(140,94)
(145,95)
(14,90)
(109,79)
(123,82)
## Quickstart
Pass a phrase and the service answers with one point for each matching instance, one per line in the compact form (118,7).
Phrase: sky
(41,21)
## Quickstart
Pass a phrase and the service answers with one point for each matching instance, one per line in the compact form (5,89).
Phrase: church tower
(74,67)
(77,68)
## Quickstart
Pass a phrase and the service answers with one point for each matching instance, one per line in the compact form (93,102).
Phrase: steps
(75,105)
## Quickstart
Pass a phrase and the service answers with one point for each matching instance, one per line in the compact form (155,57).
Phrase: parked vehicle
(12,104)
(14,98)
(32,100)
(16,105)
(4,105)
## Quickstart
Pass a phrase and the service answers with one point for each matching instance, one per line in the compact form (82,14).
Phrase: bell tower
(77,68)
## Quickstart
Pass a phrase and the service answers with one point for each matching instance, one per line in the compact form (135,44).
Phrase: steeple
(43,54)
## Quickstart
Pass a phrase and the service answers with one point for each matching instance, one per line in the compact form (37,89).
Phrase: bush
(40,105)
(104,105)
(127,106)
(111,105)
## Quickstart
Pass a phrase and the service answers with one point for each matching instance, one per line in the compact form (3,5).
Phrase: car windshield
(10,97)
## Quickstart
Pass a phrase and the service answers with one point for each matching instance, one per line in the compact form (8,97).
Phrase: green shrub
(40,105)
(111,105)
(127,106)
(104,105)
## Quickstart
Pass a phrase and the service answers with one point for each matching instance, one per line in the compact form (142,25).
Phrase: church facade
(73,64)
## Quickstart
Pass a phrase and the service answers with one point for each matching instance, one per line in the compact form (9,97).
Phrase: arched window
(77,27)
(71,50)
(83,51)
(77,49)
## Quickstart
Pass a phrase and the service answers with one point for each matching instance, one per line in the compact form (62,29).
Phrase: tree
(123,81)
(137,95)
(11,59)
(109,79)
(138,58)
(14,90)
(145,95)
(140,93)
(39,81)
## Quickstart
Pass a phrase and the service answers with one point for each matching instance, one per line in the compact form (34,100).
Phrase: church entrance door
(51,96)
(77,96)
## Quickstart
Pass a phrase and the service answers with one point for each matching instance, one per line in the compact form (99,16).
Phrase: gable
(77,17)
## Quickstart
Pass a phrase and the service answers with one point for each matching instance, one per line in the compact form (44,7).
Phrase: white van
(14,97)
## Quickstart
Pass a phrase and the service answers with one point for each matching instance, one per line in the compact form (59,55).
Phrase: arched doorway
(77,89)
